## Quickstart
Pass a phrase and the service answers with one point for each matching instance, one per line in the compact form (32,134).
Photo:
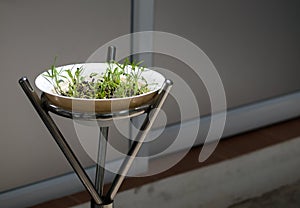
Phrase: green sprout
(118,81)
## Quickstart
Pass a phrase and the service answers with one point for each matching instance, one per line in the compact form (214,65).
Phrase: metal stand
(99,199)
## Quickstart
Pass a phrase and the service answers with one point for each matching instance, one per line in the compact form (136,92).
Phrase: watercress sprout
(119,80)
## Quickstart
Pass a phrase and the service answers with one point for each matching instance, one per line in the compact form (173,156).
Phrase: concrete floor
(287,197)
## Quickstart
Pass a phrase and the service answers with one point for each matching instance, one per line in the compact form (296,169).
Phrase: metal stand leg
(60,140)
(100,166)
(94,205)
(103,138)
(136,145)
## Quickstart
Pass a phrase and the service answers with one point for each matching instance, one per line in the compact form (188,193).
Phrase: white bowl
(153,78)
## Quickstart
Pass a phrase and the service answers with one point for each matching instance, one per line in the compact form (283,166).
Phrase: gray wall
(254,45)
(32,33)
